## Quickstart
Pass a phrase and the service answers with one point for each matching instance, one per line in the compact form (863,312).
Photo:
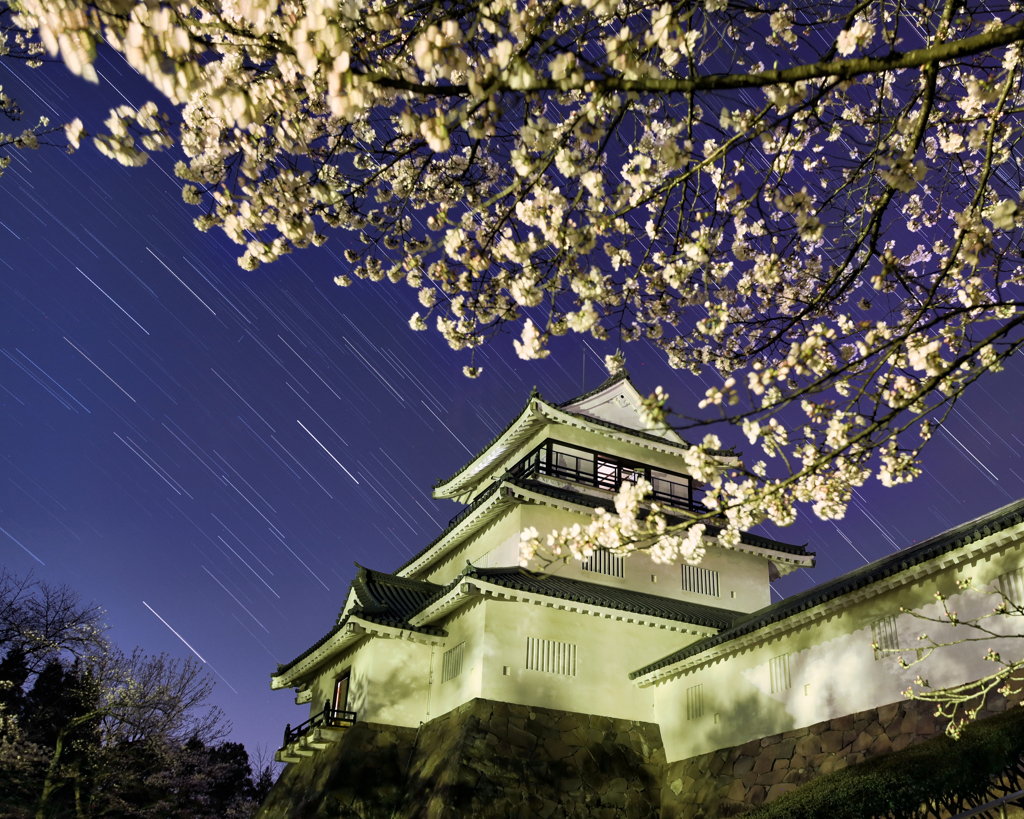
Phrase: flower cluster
(554,167)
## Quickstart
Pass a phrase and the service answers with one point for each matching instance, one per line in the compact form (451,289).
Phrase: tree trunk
(52,781)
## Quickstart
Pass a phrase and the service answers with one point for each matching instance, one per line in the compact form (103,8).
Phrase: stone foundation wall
(357,778)
(492,759)
(733,780)
(484,759)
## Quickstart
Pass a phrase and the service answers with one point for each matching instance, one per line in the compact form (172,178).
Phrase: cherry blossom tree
(814,205)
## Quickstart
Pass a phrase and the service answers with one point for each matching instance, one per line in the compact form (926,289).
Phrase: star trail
(183,437)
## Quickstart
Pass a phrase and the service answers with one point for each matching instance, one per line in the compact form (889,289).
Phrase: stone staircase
(309,744)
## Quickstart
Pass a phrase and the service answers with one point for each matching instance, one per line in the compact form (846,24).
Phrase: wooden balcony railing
(328,718)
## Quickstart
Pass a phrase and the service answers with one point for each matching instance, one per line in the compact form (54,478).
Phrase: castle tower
(463,619)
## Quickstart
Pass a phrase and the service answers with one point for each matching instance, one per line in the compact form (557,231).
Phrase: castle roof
(388,597)
(582,411)
(390,600)
(879,570)
(509,490)
(611,597)
(375,598)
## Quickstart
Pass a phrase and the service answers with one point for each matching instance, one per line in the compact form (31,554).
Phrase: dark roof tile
(595,594)
(381,598)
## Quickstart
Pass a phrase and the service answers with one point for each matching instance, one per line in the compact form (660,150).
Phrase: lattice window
(883,635)
(451,663)
(551,657)
(604,562)
(1011,585)
(778,670)
(695,701)
(699,580)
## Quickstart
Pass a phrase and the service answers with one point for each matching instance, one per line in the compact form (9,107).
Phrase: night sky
(204,452)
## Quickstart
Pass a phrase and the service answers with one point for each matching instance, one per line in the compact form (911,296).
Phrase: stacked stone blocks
(731,781)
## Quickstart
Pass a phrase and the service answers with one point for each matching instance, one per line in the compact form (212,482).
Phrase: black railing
(605,472)
(1000,803)
(328,718)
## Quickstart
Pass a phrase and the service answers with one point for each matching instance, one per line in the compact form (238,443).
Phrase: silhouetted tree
(89,731)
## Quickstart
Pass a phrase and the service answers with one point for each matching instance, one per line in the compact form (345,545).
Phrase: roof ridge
(621,375)
(453,524)
(395,579)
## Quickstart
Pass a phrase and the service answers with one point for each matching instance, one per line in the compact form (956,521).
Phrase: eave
(785,562)
(345,635)
(469,588)
(465,528)
(965,550)
(535,416)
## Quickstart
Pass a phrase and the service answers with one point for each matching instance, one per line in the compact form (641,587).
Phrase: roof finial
(534,393)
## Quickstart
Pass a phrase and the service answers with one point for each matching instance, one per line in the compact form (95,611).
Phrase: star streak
(190,290)
(161,619)
(325,449)
(118,306)
(98,367)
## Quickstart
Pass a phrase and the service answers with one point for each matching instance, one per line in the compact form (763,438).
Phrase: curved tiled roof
(594,502)
(384,599)
(887,566)
(453,523)
(394,599)
(489,444)
(623,376)
(612,597)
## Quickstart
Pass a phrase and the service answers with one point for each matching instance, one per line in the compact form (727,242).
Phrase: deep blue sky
(166,416)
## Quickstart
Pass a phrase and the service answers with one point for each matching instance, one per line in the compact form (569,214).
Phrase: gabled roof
(534,416)
(622,375)
(911,556)
(380,598)
(388,598)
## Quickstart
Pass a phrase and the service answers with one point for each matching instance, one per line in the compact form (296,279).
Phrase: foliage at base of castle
(939,777)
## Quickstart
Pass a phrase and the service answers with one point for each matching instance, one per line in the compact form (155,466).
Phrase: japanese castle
(699,650)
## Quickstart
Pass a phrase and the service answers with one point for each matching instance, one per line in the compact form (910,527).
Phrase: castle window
(695,701)
(700,581)
(603,471)
(451,663)
(604,562)
(572,464)
(1011,585)
(884,637)
(778,670)
(669,488)
(551,657)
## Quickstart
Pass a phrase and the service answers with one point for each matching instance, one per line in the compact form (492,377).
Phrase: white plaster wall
(466,625)
(360,660)
(388,682)
(833,668)
(739,573)
(607,650)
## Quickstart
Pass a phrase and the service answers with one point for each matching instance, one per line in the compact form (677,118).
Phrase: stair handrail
(331,717)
